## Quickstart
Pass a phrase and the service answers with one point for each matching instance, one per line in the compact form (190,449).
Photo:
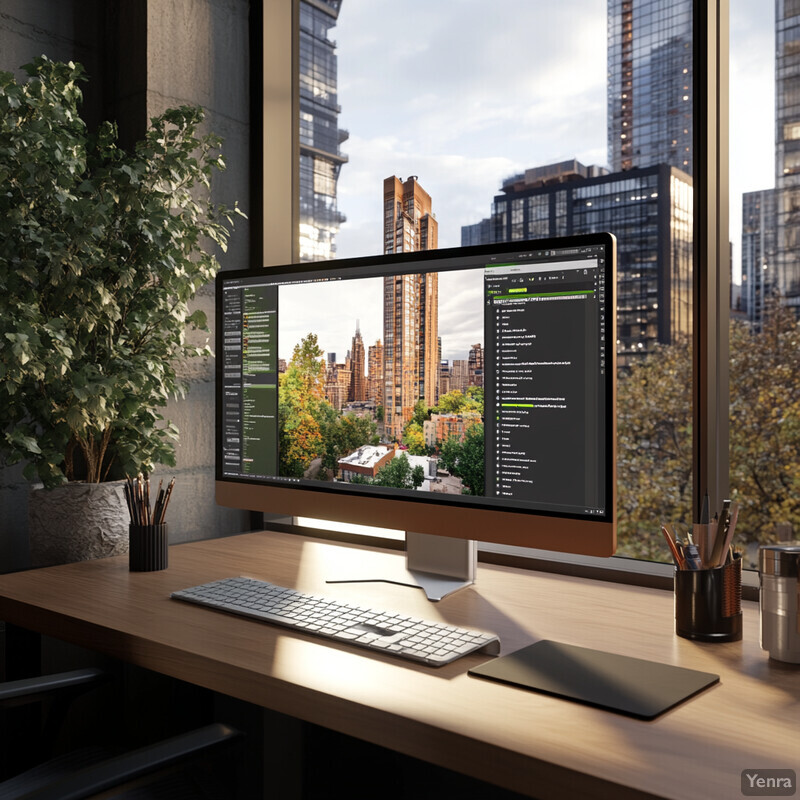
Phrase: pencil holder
(148,550)
(708,603)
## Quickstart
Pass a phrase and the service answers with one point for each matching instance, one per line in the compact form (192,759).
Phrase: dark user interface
(545,333)
(250,380)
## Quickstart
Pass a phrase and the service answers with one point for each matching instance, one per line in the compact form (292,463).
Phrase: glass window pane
(765,231)
(537,120)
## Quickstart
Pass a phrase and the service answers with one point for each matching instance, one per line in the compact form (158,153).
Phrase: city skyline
(342,303)
(505,107)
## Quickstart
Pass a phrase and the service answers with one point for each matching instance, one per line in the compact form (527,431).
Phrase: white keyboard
(432,643)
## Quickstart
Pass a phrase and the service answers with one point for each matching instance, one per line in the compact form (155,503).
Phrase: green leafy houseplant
(101,251)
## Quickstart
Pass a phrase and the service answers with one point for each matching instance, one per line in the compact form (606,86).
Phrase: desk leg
(271,764)
(23,653)
(22,659)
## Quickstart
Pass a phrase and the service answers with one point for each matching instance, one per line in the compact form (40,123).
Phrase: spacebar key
(268,616)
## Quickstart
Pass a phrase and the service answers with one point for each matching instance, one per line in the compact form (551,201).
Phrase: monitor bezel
(538,529)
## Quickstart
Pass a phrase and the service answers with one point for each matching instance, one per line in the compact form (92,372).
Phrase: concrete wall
(198,53)
(144,56)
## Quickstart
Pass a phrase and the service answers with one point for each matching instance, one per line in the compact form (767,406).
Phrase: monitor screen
(466,392)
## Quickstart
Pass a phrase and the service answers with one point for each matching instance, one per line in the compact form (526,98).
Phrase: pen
(693,557)
(699,537)
(728,535)
(669,536)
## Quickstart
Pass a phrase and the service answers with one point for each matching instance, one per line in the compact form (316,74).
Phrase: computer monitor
(464,394)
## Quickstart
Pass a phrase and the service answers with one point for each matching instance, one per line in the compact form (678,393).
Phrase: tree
(458,402)
(475,395)
(307,359)
(420,414)
(451,403)
(654,448)
(300,443)
(302,408)
(343,434)
(397,473)
(654,441)
(414,439)
(464,458)
(765,423)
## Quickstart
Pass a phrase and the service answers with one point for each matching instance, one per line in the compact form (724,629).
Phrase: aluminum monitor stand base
(439,565)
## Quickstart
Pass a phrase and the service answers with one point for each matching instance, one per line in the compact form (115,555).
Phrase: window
(765,217)
(546,145)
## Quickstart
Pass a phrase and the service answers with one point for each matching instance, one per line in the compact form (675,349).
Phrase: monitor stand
(439,565)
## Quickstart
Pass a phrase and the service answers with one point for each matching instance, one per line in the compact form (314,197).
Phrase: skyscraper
(787,151)
(358,380)
(650,212)
(475,365)
(410,306)
(408,220)
(771,217)
(649,84)
(375,373)
(320,135)
(759,241)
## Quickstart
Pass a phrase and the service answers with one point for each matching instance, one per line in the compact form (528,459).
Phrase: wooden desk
(520,740)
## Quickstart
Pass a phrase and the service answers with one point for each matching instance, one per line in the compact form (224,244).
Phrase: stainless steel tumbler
(779,568)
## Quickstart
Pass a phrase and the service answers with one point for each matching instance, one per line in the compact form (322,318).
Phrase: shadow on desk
(341,766)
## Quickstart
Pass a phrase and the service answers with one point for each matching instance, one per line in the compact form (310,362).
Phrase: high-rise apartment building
(337,384)
(444,378)
(410,306)
(475,365)
(650,212)
(649,84)
(408,221)
(320,135)
(375,373)
(358,379)
(459,375)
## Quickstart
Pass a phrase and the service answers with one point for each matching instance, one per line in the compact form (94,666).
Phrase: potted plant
(101,251)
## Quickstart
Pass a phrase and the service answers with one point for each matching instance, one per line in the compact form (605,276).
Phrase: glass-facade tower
(649,83)
(787,150)
(650,213)
(320,136)
(759,242)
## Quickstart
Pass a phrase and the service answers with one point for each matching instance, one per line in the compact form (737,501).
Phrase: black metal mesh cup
(148,550)
(708,603)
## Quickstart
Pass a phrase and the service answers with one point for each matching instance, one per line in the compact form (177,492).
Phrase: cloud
(463,95)
(463,99)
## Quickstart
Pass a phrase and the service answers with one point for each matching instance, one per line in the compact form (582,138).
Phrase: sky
(463,95)
(344,304)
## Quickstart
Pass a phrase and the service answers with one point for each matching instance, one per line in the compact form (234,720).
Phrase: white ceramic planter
(77,522)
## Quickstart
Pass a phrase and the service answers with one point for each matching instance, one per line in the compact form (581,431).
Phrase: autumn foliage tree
(301,401)
(654,448)
(654,436)
(765,424)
